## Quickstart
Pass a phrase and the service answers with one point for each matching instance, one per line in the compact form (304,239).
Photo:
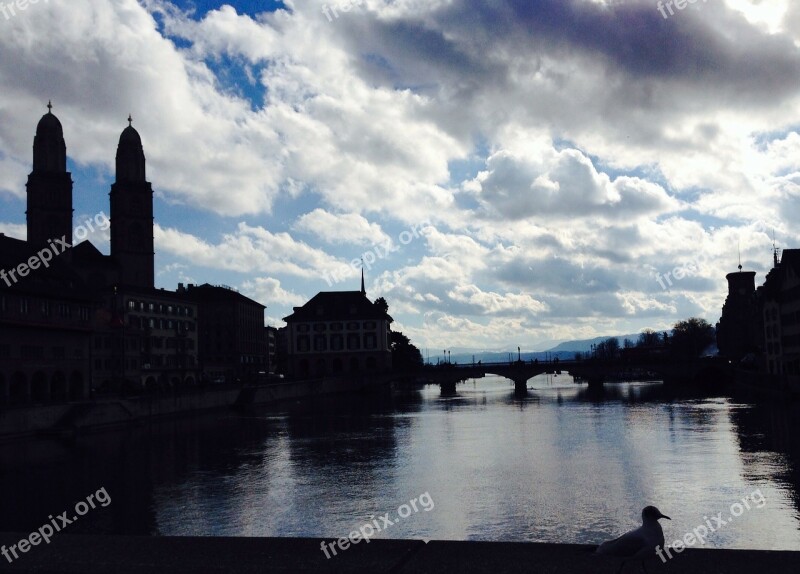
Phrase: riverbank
(72,554)
(68,419)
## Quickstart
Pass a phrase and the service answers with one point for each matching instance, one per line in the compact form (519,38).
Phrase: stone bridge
(705,371)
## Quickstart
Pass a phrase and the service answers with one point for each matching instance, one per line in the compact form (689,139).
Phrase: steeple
(363,290)
(49,187)
(130,155)
(132,212)
(49,149)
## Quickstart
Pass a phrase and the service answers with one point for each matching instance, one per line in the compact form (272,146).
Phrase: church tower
(49,213)
(132,213)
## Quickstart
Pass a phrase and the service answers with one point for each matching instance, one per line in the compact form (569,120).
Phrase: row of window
(134,363)
(39,352)
(143,343)
(322,327)
(46,308)
(152,323)
(161,308)
(337,342)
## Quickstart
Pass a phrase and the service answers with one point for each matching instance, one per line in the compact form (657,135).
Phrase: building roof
(338,306)
(56,279)
(207,292)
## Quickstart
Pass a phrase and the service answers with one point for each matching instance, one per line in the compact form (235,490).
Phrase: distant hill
(564,351)
(585,345)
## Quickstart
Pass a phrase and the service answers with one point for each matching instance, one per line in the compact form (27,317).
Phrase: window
(336,343)
(303,343)
(320,343)
(353,342)
(47,309)
(24,305)
(59,352)
(85,313)
(370,341)
(131,305)
(319,327)
(302,328)
(353,326)
(31,352)
(336,326)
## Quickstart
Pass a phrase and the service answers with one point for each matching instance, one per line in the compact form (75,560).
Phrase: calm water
(560,464)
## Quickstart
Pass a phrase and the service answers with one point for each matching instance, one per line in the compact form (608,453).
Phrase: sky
(512,172)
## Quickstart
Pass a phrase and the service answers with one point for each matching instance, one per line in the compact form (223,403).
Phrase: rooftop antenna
(739,247)
(774,250)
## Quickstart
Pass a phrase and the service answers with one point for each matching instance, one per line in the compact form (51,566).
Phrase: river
(559,464)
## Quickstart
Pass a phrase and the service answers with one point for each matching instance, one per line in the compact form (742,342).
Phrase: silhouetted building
(45,328)
(780,304)
(86,318)
(338,332)
(233,343)
(147,338)
(737,329)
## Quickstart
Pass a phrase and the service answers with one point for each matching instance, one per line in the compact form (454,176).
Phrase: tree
(405,356)
(648,338)
(691,337)
(608,349)
(381,304)
(628,344)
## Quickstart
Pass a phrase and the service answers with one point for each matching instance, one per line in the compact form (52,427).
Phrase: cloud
(337,228)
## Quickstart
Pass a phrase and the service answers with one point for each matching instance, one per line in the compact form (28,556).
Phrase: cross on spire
(130,121)
(49,106)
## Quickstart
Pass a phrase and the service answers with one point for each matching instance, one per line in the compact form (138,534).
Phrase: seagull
(638,544)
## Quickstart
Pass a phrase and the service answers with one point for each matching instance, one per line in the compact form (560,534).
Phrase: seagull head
(651,513)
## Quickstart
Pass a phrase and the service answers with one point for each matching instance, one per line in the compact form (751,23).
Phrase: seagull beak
(664,516)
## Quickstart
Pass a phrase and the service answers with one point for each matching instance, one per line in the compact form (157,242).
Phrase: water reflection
(559,462)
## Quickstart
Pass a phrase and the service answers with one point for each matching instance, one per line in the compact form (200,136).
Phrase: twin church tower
(49,213)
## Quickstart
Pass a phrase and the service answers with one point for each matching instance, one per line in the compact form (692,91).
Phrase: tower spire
(739,248)
(363,290)
(774,250)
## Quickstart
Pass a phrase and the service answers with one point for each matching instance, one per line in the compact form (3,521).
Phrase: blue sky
(554,157)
